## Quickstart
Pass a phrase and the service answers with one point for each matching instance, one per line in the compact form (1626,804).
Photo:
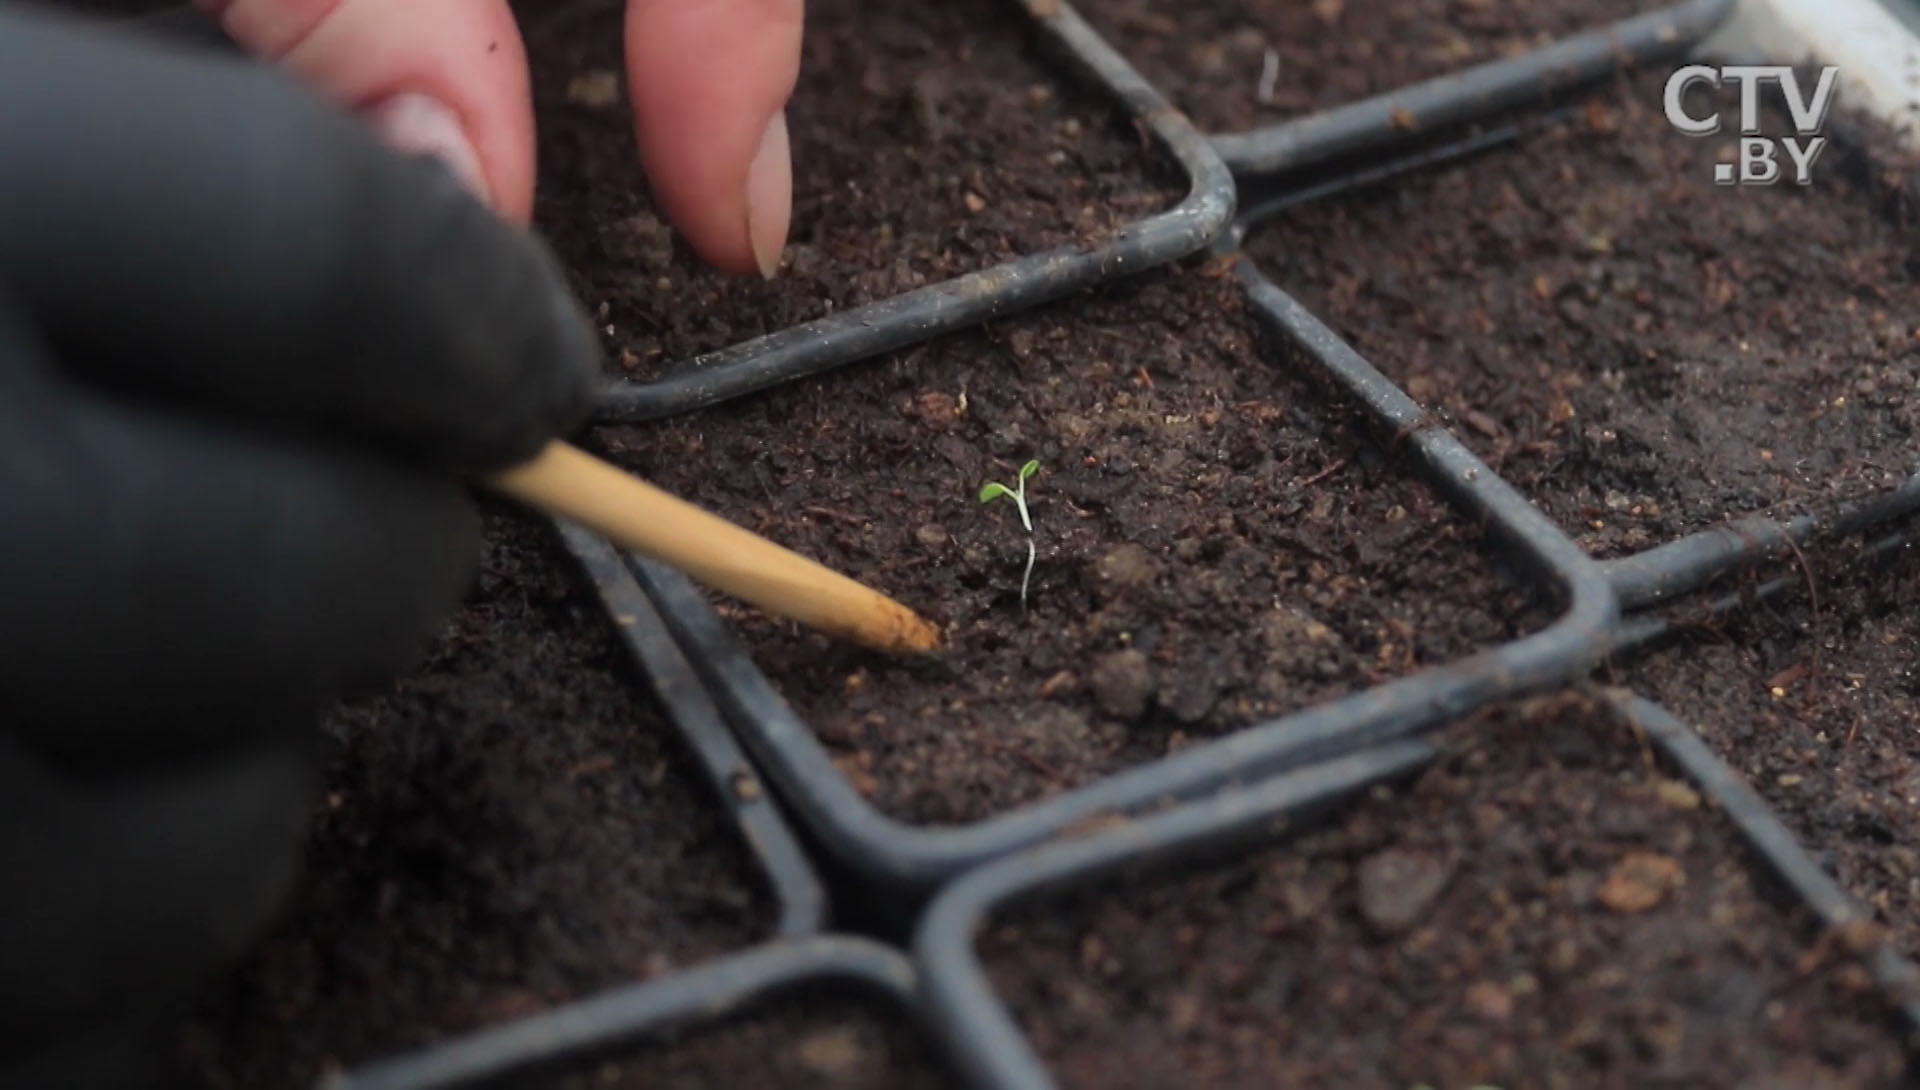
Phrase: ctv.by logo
(1759,162)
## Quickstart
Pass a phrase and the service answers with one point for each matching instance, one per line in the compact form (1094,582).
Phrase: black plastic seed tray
(1647,628)
(575,1036)
(1686,564)
(1222,794)
(1373,124)
(1280,769)
(1639,581)
(908,861)
(911,860)
(803,958)
(981,1033)
(1661,575)
(1210,163)
(889,324)
(1469,95)
(1776,845)
(985,1037)
(1674,568)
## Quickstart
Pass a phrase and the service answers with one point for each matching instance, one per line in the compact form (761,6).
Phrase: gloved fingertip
(419,123)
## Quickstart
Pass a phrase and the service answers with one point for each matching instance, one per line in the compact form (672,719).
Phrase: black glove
(247,358)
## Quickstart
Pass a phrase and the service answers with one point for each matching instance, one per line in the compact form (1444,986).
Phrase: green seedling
(993,490)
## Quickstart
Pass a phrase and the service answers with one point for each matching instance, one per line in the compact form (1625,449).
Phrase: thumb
(443,77)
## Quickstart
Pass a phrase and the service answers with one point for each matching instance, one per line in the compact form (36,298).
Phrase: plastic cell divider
(798,890)
(696,998)
(1384,120)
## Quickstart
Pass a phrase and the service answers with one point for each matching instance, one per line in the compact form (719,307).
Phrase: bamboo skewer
(636,515)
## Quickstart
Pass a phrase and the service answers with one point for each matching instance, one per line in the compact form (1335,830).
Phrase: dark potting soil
(509,826)
(1644,352)
(1544,908)
(1209,56)
(929,140)
(1217,544)
(1821,711)
(831,1045)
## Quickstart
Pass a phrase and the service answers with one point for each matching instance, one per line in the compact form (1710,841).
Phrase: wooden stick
(636,515)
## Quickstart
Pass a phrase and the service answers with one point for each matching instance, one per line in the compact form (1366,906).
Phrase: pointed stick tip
(904,632)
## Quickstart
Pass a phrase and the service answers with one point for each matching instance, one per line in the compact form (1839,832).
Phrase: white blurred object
(1877,53)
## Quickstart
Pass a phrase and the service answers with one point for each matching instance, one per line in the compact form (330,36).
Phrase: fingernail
(770,197)
(413,122)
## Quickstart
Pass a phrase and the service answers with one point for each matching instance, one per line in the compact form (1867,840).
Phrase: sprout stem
(1029,575)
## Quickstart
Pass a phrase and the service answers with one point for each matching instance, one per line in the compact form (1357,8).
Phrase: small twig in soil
(993,490)
(1338,465)
(1269,75)
(847,517)
(900,565)
(1043,768)
(591,767)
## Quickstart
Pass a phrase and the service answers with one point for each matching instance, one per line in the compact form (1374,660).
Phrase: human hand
(247,356)
(709,81)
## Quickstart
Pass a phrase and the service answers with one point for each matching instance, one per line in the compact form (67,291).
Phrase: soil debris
(1396,886)
(1640,881)
(1122,684)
